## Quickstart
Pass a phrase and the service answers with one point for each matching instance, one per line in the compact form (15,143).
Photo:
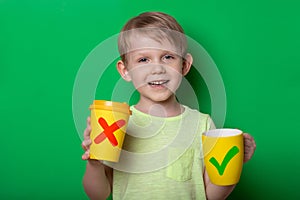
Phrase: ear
(122,69)
(186,64)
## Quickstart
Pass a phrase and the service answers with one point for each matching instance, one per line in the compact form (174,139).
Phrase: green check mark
(230,154)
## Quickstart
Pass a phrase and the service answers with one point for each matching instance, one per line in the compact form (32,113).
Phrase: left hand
(249,147)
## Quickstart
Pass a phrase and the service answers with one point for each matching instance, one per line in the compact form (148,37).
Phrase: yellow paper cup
(109,122)
(223,151)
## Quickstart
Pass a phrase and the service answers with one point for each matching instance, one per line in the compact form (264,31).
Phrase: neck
(168,108)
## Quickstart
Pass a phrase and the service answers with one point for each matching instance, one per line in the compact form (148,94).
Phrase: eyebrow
(137,54)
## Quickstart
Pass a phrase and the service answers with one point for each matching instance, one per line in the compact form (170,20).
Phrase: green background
(255,45)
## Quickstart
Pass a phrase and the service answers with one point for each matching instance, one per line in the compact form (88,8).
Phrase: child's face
(154,68)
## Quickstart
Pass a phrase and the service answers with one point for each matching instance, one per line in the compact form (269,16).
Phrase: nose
(158,68)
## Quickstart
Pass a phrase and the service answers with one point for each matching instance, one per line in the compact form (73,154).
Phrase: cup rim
(223,132)
(111,106)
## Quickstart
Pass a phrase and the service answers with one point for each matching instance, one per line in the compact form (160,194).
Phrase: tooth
(157,82)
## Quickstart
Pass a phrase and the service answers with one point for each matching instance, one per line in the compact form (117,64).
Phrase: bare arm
(97,180)
(215,192)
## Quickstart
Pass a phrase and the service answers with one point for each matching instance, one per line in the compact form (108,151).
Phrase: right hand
(86,140)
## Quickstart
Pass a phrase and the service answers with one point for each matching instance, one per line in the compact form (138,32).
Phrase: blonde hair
(156,25)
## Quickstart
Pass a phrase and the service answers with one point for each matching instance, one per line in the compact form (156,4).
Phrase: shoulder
(192,111)
(203,118)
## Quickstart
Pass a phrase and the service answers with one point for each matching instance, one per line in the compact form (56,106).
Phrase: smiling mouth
(158,83)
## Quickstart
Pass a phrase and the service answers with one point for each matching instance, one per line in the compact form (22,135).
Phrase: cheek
(138,83)
(138,78)
(175,72)
(138,72)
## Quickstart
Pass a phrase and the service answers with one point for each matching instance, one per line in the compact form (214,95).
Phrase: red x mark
(108,131)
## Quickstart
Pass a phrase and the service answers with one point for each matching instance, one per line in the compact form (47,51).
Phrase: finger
(86,144)
(248,137)
(88,121)
(250,147)
(246,158)
(250,143)
(83,146)
(87,133)
(88,124)
(247,148)
(248,153)
(86,155)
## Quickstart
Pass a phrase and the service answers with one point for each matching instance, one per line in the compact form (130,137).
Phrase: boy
(153,56)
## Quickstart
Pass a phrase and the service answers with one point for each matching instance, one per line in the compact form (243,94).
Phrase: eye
(141,60)
(168,57)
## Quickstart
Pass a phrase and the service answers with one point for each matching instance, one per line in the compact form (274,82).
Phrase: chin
(162,99)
